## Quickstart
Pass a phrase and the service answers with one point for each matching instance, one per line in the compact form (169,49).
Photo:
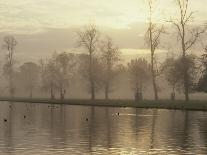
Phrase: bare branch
(188,17)
(195,37)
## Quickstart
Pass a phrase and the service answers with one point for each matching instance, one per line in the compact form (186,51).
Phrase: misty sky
(42,26)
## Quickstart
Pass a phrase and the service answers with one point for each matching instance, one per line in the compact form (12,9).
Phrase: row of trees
(99,67)
(188,35)
(100,63)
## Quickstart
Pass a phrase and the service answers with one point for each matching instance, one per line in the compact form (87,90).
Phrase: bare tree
(29,75)
(139,72)
(9,44)
(188,37)
(84,70)
(88,39)
(109,56)
(57,73)
(153,40)
(65,64)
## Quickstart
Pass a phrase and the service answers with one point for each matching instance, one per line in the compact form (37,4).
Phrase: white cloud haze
(42,26)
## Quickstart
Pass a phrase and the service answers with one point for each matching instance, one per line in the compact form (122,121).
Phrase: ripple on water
(64,130)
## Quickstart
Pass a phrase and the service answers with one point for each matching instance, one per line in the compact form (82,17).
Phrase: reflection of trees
(178,130)
(57,127)
(61,129)
(175,131)
(152,138)
(99,128)
(108,127)
(68,128)
(203,130)
(185,136)
(91,128)
(172,130)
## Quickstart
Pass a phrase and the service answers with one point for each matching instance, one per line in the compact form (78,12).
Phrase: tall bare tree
(109,56)
(153,40)
(88,39)
(9,44)
(188,37)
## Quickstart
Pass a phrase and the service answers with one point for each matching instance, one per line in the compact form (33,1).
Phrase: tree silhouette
(109,56)
(153,40)
(9,44)
(88,39)
(139,71)
(188,37)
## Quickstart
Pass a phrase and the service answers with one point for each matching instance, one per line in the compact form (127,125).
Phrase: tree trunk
(107,91)
(108,80)
(11,87)
(185,77)
(141,90)
(51,93)
(62,95)
(152,63)
(186,85)
(153,77)
(31,93)
(138,91)
(154,87)
(91,74)
(107,84)
(172,95)
(92,90)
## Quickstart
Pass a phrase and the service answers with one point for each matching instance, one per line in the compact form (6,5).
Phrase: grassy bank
(161,104)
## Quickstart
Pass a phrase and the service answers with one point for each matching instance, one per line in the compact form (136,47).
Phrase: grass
(161,104)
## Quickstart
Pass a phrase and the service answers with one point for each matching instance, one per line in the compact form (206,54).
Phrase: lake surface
(65,129)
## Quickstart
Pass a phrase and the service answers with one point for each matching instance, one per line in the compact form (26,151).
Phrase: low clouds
(41,45)
(32,16)
(62,39)
(43,26)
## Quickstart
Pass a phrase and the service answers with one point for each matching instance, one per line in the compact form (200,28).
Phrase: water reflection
(63,129)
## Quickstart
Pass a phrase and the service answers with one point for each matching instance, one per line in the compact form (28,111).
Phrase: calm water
(63,130)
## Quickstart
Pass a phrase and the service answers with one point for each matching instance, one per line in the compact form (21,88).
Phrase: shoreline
(194,105)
